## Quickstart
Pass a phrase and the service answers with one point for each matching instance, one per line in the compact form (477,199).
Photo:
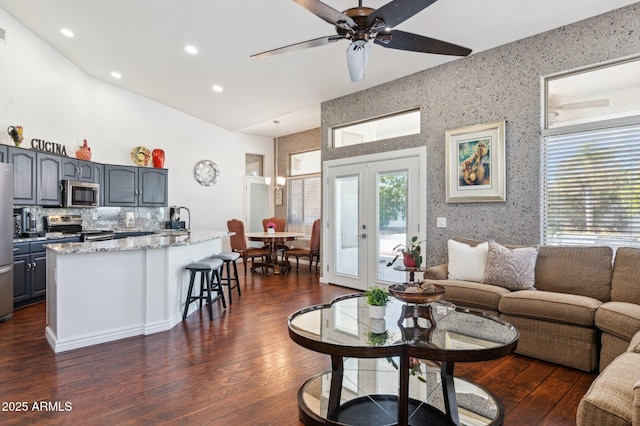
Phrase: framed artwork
(475,163)
(278,196)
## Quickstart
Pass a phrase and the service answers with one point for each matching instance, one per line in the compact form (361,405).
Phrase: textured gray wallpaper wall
(500,84)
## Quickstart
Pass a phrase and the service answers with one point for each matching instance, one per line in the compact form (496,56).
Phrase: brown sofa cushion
(584,271)
(471,294)
(620,319)
(610,399)
(625,283)
(548,306)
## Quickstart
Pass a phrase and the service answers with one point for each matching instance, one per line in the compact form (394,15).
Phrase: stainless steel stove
(72,224)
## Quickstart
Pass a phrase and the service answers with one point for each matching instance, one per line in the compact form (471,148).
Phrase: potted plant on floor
(377,299)
(411,253)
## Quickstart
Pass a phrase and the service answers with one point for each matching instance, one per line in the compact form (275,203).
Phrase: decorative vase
(408,260)
(84,153)
(378,325)
(377,312)
(158,158)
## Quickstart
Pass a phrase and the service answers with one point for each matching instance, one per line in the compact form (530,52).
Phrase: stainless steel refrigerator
(6,241)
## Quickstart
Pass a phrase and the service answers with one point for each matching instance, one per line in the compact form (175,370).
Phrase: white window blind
(303,203)
(591,187)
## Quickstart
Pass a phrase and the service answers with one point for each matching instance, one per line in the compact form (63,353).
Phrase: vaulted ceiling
(144,41)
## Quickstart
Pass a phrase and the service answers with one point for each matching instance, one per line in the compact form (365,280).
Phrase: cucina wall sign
(52,147)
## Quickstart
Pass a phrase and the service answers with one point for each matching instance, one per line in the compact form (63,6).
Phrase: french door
(370,206)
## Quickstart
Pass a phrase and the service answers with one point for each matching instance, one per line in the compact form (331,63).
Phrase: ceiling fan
(563,111)
(361,25)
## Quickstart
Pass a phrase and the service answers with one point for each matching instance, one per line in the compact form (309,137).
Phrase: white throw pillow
(467,263)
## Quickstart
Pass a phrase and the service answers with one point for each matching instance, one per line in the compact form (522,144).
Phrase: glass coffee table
(398,371)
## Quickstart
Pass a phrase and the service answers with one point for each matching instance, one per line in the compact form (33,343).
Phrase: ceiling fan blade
(398,11)
(357,58)
(316,42)
(596,103)
(326,12)
(416,43)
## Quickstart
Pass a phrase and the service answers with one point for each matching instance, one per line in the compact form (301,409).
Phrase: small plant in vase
(377,299)
(411,253)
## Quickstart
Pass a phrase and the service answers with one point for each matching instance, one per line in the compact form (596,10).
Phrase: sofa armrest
(438,272)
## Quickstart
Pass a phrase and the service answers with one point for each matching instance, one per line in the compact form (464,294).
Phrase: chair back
(281,224)
(314,244)
(238,241)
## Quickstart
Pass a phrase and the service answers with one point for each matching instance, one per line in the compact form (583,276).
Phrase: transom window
(391,126)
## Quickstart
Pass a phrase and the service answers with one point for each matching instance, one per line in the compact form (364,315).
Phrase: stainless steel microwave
(80,194)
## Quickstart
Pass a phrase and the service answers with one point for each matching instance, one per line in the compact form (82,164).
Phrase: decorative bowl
(399,291)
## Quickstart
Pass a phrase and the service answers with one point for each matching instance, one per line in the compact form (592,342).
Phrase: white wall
(54,100)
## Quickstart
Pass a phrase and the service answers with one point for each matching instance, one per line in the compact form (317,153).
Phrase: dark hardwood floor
(240,369)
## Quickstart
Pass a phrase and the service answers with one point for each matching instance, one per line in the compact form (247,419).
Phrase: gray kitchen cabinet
(3,154)
(120,185)
(24,175)
(79,170)
(153,187)
(135,186)
(49,192)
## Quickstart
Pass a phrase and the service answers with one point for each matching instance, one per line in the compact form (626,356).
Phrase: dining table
(272,240)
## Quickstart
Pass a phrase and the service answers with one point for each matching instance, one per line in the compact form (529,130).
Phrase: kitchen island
(108,290)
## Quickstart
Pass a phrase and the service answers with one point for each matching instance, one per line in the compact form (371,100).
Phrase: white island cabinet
(108,290)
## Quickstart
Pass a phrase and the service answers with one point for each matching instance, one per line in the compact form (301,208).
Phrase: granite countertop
(60,235)
(162,239)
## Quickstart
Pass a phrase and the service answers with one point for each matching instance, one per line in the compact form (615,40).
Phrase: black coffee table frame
(404,350)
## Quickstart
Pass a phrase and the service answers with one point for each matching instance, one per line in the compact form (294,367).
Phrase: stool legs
(209,280)
(229,279)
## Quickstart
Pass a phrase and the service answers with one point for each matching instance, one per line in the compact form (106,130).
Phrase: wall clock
(206,172)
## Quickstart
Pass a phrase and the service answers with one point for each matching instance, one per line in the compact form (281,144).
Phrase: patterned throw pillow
(511,269)
(467,263)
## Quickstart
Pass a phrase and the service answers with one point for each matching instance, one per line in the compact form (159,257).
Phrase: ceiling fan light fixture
(357,59)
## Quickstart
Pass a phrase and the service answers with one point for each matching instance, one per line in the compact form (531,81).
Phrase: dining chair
(281,225)
(239,245)
(312,251)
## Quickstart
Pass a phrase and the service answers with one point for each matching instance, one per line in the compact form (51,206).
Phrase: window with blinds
(303,203)
(591,187)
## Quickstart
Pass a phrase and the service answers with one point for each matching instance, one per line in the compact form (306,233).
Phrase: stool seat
(205,264)
(209,270)
(227,255)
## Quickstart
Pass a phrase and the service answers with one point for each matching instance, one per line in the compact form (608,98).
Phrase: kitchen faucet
(176,210)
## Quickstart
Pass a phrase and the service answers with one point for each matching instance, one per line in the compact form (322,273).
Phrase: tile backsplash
(113,218)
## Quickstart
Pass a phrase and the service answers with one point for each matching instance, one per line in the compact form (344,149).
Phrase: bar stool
(229,258)
(208,269)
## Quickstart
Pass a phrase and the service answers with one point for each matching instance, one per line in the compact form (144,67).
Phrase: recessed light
(66,32)
(191,49)
(116,74)
(217,88)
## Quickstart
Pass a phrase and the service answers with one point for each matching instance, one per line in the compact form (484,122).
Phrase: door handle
(363,235)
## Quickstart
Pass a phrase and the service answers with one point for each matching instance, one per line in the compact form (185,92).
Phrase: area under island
(108,290)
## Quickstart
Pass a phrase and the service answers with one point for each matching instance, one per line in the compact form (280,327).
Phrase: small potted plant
(411,253)
(377,299)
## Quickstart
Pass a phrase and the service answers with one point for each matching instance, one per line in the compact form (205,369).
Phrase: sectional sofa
(574,306)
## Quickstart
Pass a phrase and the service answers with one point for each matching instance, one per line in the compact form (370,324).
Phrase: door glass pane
(392,222)
(346,227)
